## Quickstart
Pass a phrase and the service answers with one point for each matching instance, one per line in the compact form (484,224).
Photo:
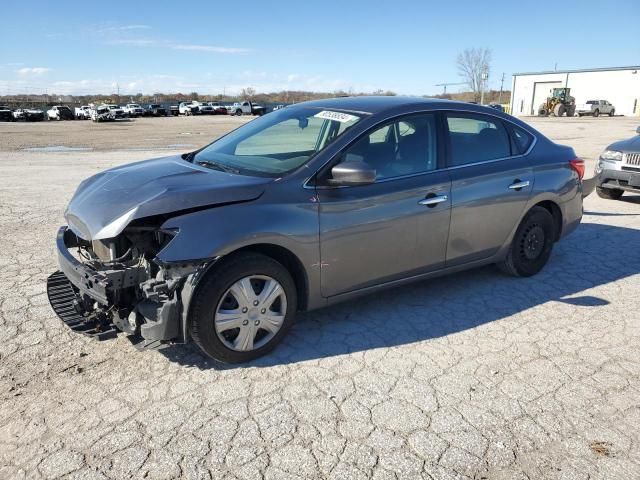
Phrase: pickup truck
(204,108)
(133,110)
(60,112)
(218,109)
(28,114)
(102,113)
(246,108)
(187,108)
(595,108)
(5,114)
(155,110)
(82,113)
(116,111)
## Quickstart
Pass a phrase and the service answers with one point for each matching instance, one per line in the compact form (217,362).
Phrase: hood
(631,145)
(106,203)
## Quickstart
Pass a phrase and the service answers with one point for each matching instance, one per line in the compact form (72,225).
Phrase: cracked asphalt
(475,375)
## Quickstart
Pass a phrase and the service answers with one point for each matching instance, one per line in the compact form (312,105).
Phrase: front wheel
(609,193)
(531,245)
(612,113)
(238,113)
(244,309)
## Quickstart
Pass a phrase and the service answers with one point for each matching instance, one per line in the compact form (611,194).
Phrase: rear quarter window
(522,140)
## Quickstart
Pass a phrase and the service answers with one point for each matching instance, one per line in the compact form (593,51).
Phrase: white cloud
(208,48)
(122,28)
(32,71)
(149,42)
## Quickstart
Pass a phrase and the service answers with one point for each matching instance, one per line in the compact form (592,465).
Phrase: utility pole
(501,85)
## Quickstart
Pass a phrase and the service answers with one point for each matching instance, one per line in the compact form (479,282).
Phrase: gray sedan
(307,206)
(618,169)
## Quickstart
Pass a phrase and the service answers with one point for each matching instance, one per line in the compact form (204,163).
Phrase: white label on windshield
(337,116)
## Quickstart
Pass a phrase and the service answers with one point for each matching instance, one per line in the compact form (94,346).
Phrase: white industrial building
(618,85)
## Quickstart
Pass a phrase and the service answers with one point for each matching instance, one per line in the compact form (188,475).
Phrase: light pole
(483,78)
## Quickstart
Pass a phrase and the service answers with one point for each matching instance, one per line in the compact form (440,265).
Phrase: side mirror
(352,172)
(638,130)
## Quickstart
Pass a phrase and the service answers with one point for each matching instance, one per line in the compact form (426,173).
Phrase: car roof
(378,104)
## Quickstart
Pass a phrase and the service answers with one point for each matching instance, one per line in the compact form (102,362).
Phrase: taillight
(578,166)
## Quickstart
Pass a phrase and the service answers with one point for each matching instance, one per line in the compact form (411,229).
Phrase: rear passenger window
(476,138)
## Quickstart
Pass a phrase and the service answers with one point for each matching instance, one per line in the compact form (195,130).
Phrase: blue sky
(210,47)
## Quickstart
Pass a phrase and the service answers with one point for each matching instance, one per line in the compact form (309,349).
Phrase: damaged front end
(118,285)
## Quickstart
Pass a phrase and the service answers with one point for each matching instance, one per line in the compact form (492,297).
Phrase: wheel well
(556,213)
(289,261)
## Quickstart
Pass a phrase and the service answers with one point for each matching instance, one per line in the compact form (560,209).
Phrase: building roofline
(609,69)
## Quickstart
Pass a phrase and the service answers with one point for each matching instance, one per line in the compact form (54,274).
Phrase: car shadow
(592,256)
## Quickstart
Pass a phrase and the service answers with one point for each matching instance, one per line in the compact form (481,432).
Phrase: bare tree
(473,63)
(248,93)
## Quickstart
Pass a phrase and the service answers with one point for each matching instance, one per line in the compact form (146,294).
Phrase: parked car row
(106,112)
(26,114)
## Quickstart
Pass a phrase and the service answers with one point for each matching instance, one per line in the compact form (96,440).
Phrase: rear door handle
(433,201)
(519,185)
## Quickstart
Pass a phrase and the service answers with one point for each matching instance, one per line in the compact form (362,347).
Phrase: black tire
(531,245)
(612,112)
(238,113)
(559,110)
(596,113)
(209,295)
(609,193)
(543,112)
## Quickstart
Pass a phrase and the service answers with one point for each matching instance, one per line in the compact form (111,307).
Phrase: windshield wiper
(218,166)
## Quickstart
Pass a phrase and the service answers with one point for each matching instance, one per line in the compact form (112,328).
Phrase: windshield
(277,143)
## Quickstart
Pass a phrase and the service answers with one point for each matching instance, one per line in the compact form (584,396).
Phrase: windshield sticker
(337,116)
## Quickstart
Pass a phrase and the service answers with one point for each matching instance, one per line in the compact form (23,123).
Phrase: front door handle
(519,185)
(433,201)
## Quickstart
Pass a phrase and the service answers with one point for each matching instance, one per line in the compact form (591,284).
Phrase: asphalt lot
(474,375)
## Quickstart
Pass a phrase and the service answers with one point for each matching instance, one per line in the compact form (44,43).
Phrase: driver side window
(402,147)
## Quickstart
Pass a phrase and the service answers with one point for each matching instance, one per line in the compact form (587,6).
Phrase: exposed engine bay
(116,284)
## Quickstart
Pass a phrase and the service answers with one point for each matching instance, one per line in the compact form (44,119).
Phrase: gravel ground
(166,133)
(473,375)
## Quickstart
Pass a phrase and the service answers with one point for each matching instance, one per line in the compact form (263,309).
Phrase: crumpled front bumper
(88,301)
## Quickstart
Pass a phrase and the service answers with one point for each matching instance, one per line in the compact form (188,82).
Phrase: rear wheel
(531,245)
(596,113)
(559,110)
(609,193)
(243,310)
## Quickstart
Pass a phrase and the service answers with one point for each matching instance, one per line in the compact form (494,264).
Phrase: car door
(490,185)
(396,226)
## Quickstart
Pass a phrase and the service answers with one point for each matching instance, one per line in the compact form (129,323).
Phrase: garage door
(541,90)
